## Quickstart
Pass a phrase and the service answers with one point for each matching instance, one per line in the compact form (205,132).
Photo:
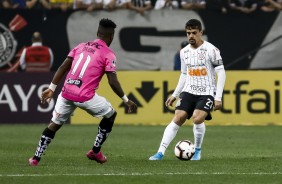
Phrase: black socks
(44,141)
(104,129)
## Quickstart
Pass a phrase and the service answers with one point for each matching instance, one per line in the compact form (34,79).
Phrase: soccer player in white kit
(85,66)
(198,90)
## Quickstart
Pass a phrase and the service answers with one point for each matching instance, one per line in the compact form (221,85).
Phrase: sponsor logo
(178,102)
(76,82)
(114,63)
(193,65)
(94,44)
(198,88)
(197,72)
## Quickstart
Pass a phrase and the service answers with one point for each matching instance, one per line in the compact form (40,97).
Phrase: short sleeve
(110,63)
(215,54)
(183,65)
(72,52)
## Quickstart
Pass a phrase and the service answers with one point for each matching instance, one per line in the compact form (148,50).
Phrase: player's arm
(62,70)
(60,73)
(177,91)
(116,87)
(221,76)
(180,84)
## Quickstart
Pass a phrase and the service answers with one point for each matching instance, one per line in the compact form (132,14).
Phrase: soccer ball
(184,150)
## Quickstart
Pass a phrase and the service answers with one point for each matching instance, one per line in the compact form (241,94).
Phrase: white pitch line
(134,174)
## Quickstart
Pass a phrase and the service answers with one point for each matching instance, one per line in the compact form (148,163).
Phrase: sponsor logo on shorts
(178,102)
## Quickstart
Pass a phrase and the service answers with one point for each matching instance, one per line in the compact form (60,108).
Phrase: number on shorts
(209,103)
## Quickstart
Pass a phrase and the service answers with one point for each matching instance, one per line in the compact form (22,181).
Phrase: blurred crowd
(141,6)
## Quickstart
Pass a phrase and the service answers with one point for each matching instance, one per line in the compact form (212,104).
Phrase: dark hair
(106,30)
(193,24)
(107,23)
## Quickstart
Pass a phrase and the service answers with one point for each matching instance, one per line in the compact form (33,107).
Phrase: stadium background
(249,45)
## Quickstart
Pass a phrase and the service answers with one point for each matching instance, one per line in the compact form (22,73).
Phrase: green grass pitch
(230,154)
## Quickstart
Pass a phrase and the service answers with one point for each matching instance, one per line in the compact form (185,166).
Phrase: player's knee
(54,126)
(107,123)
(179,120)
(197,119)
(111,115)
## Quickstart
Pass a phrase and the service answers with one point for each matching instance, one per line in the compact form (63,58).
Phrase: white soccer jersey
(198,65)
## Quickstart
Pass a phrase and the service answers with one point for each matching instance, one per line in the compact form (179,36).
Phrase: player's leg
(98,106)
(104,130)
(46,137)
(203,108)
(170,133)
(61,113)
(199,129)
(181,114)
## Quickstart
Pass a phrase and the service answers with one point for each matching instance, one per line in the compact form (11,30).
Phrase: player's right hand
(131,106)
(170,101)
(46,96)
(217,105)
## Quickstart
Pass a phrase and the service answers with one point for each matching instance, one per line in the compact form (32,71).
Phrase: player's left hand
(46,96)
(217,105)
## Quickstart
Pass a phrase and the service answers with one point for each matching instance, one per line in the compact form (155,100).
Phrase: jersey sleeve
(72,52)
(110,63)
(214,54)
(183,65)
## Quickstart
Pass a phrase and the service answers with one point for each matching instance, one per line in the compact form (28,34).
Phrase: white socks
(199,133)
(171,131)
(169,134)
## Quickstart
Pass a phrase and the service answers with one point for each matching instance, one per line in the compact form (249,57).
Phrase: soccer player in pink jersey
(197,86)
(85,66)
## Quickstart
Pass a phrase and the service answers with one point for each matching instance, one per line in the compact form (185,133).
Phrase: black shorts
(189,102)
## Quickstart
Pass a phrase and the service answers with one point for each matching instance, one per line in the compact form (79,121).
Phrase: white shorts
(98,106)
